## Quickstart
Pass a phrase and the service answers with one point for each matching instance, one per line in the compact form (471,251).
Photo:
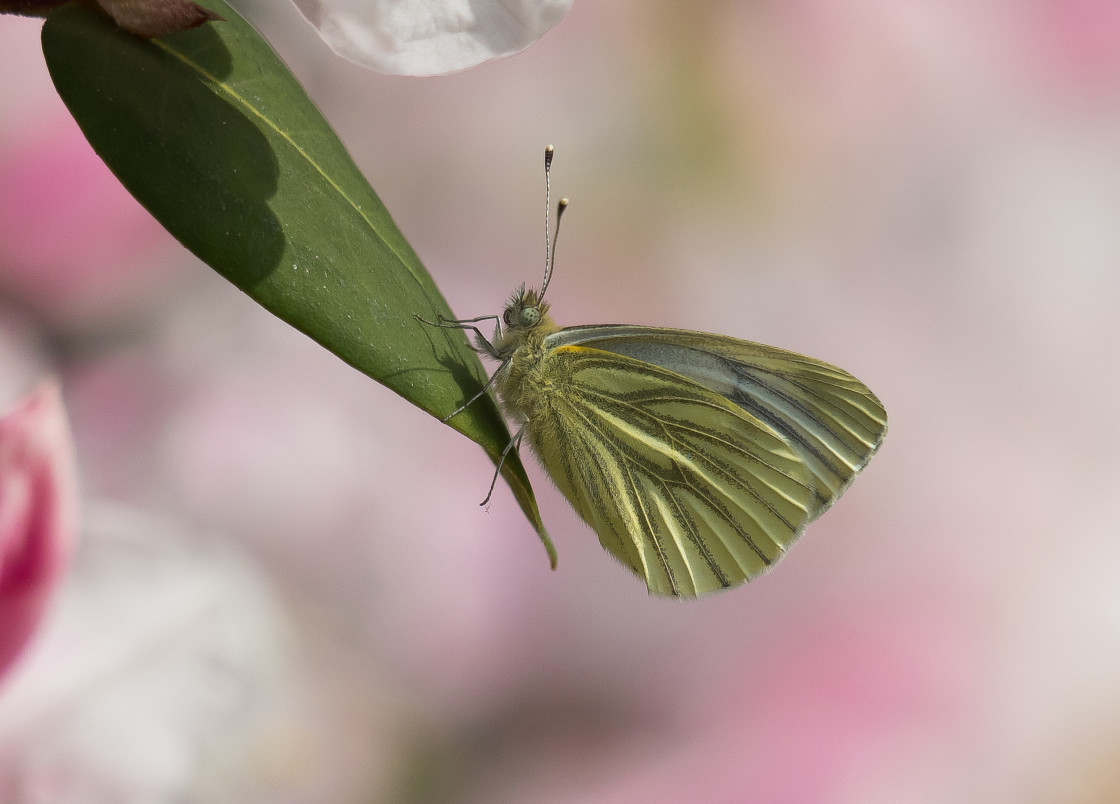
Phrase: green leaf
(210,131)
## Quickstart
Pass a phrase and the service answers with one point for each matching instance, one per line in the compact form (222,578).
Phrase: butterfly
(697,459)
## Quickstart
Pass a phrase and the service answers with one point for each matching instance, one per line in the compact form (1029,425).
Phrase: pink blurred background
(285,589)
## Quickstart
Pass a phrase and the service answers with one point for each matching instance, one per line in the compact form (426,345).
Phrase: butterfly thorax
(520,346)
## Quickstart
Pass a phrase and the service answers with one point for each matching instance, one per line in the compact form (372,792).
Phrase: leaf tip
(549,547)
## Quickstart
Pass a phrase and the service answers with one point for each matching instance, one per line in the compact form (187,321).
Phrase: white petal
(429,37)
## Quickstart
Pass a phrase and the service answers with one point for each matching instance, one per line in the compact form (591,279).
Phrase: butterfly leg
(514,442)
(481,343)
(470,401)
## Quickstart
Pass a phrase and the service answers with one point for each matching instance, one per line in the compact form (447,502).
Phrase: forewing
(832,419)
(690,491)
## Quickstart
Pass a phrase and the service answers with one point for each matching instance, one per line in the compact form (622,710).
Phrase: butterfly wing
(833,421)
(691,491)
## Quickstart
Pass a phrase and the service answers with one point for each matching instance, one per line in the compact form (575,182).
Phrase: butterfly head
(525,322)
(525,310)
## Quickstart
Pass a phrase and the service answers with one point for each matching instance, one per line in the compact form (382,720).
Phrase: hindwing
(693,492)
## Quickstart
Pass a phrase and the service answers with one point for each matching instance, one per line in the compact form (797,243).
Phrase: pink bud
(38,507)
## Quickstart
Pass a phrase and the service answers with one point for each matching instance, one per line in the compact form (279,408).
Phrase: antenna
(550,247)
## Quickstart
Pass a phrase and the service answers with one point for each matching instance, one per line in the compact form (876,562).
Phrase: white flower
(429,37)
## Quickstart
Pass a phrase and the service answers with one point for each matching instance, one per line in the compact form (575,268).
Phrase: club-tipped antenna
(550,245)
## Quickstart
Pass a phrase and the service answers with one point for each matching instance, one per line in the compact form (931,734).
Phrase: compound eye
(530,316)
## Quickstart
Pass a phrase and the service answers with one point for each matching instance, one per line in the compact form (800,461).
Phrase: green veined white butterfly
(698,459)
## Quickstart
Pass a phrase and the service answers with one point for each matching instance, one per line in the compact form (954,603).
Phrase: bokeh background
(286,590)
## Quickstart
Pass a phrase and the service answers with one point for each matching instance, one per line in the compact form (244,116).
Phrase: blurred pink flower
(74,245)
(817,716)
(38,504)
(404,37)
(1074,44)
